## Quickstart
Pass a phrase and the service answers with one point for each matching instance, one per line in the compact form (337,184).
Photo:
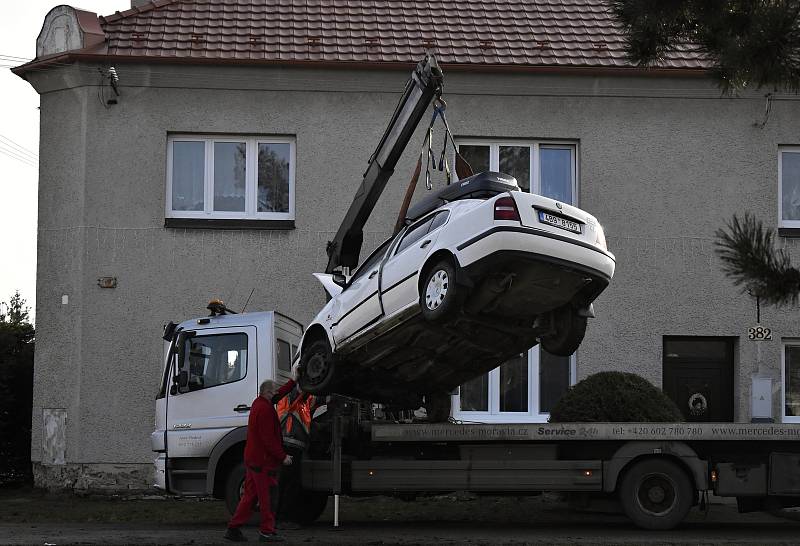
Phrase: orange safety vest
(294,412)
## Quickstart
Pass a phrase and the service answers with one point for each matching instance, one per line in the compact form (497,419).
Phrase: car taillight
(506,209)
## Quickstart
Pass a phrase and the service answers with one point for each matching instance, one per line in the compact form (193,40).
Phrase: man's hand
(287,460)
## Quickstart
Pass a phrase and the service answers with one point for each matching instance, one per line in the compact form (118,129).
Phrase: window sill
(227,223)
(789,232)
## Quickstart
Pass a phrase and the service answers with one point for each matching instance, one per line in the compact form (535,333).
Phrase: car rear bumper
(536,242)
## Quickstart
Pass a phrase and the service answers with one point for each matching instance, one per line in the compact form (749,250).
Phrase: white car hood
(327,282)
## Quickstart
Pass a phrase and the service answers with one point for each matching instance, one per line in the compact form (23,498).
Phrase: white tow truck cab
(654,472)
(213,367)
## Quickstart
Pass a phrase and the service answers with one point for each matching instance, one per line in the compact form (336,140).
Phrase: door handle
(373,274)
(426,243)
(241,408)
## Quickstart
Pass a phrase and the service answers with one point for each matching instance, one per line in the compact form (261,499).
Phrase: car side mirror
(339,279)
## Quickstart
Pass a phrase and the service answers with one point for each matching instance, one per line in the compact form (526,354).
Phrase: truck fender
(236,436)
(678,451)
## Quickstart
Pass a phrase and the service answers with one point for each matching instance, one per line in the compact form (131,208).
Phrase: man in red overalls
(263,455)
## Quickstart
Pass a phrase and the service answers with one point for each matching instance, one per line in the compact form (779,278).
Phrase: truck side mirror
(181,382)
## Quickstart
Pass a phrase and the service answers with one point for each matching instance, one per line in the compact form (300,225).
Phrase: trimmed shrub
(615,397)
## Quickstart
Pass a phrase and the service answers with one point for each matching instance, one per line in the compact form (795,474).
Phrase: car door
(399,279)
(221,382)
(359,303)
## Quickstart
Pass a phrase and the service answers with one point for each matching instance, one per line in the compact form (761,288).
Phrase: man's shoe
(234,534)
(288,526)
(270,537)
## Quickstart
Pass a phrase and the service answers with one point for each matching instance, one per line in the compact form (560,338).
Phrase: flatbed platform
(549,432)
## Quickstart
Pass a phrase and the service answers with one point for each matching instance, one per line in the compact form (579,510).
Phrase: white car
(481,272)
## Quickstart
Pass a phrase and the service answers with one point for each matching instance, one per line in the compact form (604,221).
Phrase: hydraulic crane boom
(424,85)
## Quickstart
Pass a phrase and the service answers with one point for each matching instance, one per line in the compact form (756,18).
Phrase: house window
(789,187)
(545,168)
(527,387)
(230,178)
(791,381)
(524,389)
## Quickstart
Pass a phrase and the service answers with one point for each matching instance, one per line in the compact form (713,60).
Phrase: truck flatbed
(549,432)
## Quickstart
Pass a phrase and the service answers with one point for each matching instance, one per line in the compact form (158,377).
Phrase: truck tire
(234,485)
(569,331)
(317,368)
(439,295)
(656,494)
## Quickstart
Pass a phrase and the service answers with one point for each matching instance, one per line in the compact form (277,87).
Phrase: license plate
(559,222)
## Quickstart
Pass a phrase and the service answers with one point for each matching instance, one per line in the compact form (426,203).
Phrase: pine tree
(749,42)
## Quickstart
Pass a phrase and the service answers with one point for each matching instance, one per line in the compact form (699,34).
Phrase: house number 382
(759,333)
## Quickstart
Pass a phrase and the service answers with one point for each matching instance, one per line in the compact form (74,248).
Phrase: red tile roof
(502,33)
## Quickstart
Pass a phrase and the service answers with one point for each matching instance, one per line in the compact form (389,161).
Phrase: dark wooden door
(698,377)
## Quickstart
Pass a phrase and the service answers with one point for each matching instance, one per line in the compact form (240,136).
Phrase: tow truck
(213,366)
(655,472)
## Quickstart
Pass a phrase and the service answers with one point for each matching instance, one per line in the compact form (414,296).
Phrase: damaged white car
(480,273)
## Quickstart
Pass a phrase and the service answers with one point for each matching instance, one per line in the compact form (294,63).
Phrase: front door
(222,383)
(698,377)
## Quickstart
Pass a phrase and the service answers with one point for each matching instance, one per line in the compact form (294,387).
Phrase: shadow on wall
(16,392)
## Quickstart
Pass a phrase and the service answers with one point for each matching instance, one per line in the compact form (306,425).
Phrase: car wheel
(656,494)
(439,294)
(569,331)
(317,368)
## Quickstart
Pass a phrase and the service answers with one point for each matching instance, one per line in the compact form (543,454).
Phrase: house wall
(663,163)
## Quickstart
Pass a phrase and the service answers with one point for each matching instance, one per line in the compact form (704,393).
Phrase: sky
(20,23)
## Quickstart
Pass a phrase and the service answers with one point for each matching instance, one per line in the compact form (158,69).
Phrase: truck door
(218,381)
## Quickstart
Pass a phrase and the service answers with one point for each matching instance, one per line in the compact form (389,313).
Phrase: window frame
(251,177)
(218,334)
(784,344)
(494,415)
(535,158)
(790,224)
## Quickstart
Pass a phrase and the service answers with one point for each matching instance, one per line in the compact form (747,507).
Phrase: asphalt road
(442,520)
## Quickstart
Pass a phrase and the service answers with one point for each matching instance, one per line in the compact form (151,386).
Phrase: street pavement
(382,521)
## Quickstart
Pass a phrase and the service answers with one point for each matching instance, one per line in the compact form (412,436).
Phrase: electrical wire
(22,149)
(19,158)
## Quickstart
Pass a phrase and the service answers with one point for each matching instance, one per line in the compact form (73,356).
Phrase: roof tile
(580,33)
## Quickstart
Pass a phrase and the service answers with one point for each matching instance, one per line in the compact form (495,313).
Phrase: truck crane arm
(424,85)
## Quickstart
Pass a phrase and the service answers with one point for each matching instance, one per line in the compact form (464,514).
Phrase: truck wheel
(439,295)
(569,331)
(234,487)
(656,494)
(317,368)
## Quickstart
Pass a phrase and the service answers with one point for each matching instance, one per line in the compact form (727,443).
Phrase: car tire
(439,295)
(317,368)
(569,331)
(656,494)
(234,485)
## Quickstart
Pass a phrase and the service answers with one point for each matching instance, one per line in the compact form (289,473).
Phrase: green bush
(615,397)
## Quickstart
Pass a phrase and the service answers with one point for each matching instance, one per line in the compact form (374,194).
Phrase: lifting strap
(463,168)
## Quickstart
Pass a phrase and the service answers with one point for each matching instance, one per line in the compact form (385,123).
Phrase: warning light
(587,473)
(371,473)
(713,476)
